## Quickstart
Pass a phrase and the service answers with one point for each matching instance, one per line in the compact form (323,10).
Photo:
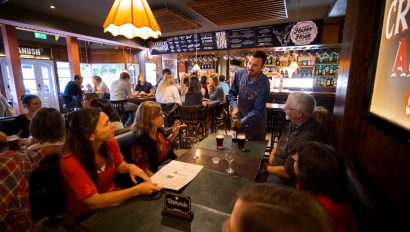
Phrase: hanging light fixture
(132,18)
(87,68)
(131,66)
(196,66)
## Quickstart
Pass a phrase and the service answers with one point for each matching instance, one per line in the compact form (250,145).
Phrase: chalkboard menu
(278,35)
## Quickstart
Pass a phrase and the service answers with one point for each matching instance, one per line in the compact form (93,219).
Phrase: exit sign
(40,35)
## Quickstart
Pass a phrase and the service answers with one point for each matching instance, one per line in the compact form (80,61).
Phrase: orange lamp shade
(132,18)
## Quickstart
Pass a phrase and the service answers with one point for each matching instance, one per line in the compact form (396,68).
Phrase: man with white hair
(303,127)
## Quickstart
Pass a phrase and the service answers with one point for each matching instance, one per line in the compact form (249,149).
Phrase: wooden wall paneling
(331,33)
(384,160)
(11,50)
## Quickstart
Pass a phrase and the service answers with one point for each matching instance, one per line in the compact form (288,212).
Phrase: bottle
(278,61)
(332,82)
(328,82)
(234,132)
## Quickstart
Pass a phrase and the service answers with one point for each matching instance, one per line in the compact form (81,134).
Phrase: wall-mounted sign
(40,35)
(31,52)
(278,35)
(303,32)
(389,99)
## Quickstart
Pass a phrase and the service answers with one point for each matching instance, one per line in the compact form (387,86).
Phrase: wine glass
(229,158)
(194,145)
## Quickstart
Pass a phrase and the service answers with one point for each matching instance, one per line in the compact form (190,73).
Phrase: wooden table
(246,164)
(139,100)
(212,193)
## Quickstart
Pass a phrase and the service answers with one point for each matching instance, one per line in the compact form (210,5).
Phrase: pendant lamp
(132,18)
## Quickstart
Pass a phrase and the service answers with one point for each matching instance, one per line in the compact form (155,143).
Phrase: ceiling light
(132,18)
(52,7)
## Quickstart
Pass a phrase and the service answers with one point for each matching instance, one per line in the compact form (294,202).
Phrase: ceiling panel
(226,12)
(170,20)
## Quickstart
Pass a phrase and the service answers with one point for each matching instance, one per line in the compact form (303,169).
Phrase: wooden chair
(119,107)
(192,118)
(221,117)
(275,124)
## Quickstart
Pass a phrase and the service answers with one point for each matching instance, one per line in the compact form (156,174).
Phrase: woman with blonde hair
(167,91)
(151,149)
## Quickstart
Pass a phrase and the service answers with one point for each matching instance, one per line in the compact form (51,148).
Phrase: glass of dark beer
(241,139)
(220,140)
(13,142)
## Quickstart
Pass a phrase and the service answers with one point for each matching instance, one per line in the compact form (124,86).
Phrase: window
(64,74)
(108,73)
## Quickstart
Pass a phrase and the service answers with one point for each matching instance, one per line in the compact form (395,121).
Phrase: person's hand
(175,128)
(234,113)
(147,188)
(236,123)
(148,172)
(142,93)
(134,171)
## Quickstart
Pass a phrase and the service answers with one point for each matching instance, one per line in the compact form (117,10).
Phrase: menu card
(176,175)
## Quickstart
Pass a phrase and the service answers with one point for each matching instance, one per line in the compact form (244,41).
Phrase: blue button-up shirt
(250,98)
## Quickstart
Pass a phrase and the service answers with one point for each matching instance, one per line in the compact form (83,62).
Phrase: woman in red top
(90,159)
(151,148)
(320,171)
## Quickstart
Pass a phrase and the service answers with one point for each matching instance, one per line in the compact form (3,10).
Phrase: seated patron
(90,159)
(266,207)
(204,86)
(321,172)
(167,92)
(193,96)
(73,89)
(15,170)
(143,87)
(215,90)
(151,149)
(22,122)
(86,103)
(224,85)
(303,127)
(47,129)
(100,86)
(109,111)
(121,91)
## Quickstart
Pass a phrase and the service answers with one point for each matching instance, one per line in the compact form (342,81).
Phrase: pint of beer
(241,139)
(219,141)
(13,142)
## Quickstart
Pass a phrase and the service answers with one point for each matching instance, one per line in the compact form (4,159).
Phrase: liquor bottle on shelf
(328,81)
(278,61)
(286,74)
(331,57)
(332,82)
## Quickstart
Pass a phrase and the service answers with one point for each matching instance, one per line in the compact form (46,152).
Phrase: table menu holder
(178,205)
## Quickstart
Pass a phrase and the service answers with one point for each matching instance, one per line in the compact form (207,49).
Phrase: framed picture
(171,64)
(389,91)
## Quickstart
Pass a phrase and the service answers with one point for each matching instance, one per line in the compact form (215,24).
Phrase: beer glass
(229,158)
(220,140)
(241,139)
(194,145)
(13,142)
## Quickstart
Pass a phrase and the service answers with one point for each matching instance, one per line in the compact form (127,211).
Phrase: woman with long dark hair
(90,159)
(320,171)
